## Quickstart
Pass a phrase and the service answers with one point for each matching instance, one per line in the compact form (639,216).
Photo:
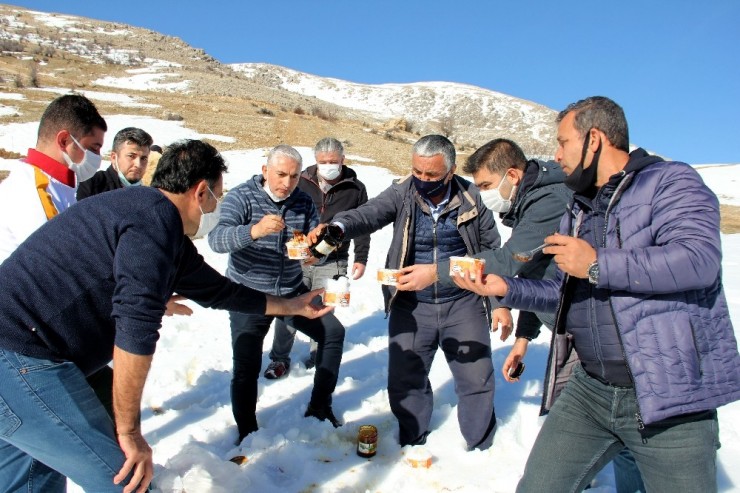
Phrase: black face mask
(582,179)
(429,189)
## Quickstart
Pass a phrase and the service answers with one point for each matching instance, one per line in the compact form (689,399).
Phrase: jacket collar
(51,167)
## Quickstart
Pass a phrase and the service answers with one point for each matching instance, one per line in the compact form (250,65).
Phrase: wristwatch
(593,272)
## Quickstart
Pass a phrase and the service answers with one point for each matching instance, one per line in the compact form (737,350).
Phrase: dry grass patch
(729,219)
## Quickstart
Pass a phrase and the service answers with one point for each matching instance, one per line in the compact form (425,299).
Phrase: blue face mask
(429,189)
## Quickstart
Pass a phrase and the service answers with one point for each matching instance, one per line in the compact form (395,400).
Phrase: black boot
(322,414)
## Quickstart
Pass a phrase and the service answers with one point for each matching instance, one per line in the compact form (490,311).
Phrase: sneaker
(322,415)
(276,369)
(310,362)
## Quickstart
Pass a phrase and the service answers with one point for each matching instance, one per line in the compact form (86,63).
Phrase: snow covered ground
(187,417)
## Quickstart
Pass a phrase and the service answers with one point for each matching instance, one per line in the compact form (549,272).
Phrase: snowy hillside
(472,114)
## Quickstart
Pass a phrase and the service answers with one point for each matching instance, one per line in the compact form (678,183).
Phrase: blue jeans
(627,476)
(591,422)
(53,425)
(314,277)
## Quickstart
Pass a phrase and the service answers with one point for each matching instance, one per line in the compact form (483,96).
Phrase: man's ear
(596,137)
(62,139)
(201,190)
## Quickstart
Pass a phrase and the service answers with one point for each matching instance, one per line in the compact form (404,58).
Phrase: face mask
(122,177)
(208,220)
(269,193)
(429,189)
(582,179)
(85,169)
(495,201)
(330,171)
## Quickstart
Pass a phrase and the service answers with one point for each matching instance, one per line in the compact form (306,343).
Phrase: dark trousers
(247,334)
(461,329)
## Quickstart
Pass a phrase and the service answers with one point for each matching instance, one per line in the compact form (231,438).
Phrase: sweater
(262,264)
(100,275)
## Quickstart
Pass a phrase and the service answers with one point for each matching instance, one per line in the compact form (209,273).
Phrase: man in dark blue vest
(435,215)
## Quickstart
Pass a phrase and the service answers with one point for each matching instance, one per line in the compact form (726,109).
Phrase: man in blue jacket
(258,218)
(639,297)
(435,215)
(89,286)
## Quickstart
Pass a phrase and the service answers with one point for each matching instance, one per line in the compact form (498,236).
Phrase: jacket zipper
(434,254)
(617,193)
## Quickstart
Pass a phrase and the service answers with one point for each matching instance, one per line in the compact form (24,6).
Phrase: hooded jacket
(346,194)
(400,203)
(660,259)
(538,207)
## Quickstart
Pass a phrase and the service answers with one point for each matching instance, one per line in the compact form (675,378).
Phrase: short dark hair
(186,162)
(134,135)
(71,112)
(497,155)
(603,114)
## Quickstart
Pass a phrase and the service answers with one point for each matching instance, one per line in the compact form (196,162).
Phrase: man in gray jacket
(435,215)
(531,198)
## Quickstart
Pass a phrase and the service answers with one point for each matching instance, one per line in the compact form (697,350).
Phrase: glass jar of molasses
(367,441)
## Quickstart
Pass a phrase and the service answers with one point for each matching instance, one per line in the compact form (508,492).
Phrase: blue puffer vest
(434,241)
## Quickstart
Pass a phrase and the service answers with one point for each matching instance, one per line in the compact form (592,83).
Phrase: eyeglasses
(218,199)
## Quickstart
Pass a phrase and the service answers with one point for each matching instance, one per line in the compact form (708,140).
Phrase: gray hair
(287,151)
(329,144)
(431,145)
(601,113)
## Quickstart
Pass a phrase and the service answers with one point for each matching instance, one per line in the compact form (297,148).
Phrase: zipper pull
(640,424)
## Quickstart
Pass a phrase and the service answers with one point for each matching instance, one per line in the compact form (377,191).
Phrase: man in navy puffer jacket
(640,299)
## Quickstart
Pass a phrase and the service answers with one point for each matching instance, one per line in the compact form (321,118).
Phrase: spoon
(529,254)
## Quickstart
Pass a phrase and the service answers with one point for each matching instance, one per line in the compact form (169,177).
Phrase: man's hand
(128,384)
(138,459)
(308,262)
(416,277)
(502,316)
(303,305)
(488,285)
(515,356)
(572,255)
(358,270)
(269,224)
(175,308)
(313,235)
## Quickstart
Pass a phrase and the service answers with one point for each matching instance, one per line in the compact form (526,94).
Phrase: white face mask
(269,193)
(208,220)
(329,171)
(495,201)
(85,169)
(122,177)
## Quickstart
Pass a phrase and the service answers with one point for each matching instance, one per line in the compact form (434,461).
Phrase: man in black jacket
(334,188)
(129,158)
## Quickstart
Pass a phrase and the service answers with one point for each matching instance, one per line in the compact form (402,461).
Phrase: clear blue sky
(673,65)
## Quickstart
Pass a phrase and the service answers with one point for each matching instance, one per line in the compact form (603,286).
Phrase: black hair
(134,135)
(73,113)
(601,113)
(497,155)
(186,162)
